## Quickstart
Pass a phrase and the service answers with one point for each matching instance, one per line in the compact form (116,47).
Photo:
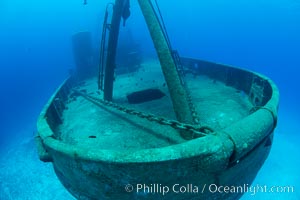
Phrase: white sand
(23,176)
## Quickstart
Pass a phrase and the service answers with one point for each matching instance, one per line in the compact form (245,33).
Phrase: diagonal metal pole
(177,92)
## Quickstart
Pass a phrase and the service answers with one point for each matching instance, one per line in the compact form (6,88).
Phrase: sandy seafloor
(23,176)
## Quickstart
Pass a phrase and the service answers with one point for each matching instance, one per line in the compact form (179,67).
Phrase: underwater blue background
(259,35)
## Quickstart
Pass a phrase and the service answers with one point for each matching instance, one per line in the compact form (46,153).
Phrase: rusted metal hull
(189,170)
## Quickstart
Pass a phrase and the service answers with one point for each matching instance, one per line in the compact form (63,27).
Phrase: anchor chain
(191,105)
(181,74)
(195,130)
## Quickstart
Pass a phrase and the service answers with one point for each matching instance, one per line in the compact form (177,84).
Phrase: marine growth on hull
(133,118)
(92,124)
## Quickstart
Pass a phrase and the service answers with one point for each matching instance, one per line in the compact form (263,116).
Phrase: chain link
(196,131)
(181,73)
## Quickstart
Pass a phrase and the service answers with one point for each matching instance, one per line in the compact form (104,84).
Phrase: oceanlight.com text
(161,189)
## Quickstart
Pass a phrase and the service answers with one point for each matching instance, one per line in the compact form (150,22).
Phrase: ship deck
(87,124)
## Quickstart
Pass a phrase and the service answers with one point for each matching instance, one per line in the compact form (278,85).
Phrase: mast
(177,91)
(111,49)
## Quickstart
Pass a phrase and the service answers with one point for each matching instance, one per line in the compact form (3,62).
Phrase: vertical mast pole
(112,49)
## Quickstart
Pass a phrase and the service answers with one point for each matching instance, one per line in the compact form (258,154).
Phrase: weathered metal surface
(228,157)
(176,89)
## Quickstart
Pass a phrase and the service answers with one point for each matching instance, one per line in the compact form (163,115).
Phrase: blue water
(36,53)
